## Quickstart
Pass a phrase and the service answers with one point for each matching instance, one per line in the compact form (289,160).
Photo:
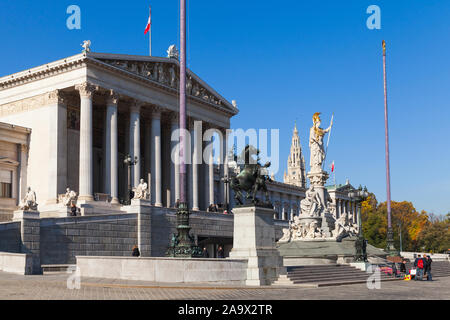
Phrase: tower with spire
(296,163)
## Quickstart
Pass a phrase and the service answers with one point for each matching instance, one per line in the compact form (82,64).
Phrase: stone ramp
(327,275)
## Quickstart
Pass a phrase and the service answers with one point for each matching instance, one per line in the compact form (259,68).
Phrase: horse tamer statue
(251,179)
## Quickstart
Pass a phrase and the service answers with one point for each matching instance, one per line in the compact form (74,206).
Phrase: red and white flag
(332,166)
(149,23)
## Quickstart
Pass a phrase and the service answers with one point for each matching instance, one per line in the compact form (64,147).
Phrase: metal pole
(390,240)
(150,36)
(182,100)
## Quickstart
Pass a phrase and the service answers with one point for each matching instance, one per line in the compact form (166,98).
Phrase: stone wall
(102,235)
(204,224)
(10,237)
(173,270)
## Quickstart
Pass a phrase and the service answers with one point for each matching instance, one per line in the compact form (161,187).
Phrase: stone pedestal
(254,239)
(30,231)
(318,180)
(24,214)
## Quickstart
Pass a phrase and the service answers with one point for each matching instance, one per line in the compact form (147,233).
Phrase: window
(5,184)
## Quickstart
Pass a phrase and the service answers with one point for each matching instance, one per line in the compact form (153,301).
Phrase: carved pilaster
(86,89)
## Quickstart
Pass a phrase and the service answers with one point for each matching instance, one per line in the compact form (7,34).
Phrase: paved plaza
(54,287)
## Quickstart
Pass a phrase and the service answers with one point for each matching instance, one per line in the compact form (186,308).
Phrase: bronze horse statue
(251,179)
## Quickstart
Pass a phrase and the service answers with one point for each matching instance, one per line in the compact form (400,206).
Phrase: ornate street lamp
(360,195)
(129,162)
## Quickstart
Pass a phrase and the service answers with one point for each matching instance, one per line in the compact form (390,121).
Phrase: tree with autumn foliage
(418,231)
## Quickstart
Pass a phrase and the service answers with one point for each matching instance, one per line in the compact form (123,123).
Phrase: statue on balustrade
(141,191)
(29,201)
(69,198)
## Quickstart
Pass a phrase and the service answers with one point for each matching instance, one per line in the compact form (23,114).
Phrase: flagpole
(150,33)
(390,236)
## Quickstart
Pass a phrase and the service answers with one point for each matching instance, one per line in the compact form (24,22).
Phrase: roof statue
(86,46)
(172,52)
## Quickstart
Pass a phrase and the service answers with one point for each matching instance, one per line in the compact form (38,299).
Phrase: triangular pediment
(164,72)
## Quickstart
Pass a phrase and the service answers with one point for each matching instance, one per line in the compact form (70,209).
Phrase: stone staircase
(326,275)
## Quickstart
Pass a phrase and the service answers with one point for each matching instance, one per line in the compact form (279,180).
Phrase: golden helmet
(316,117)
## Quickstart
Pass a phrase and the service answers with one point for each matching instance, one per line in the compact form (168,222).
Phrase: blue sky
(282,61)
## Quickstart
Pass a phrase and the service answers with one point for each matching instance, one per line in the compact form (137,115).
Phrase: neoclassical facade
(89,111)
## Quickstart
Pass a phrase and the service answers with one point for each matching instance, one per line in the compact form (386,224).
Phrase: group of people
(423,267)
(220,252)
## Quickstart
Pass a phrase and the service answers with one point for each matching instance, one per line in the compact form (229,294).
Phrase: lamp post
(226,180)
(129,162)
(360,195)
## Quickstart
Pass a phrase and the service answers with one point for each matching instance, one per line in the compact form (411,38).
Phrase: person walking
(419,264)
(428,268)
(135,252)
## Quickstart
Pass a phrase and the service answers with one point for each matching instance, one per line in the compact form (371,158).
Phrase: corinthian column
(111,148)
(86,191)
(156,158)
(135,141)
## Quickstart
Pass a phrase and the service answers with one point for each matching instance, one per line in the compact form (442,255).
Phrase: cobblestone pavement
(54,287)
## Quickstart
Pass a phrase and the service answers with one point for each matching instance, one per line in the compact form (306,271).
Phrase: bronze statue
(251,179)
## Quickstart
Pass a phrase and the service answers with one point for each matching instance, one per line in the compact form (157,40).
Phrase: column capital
(174,118)
(136,106)
(156,112)
(112,98)
(86,89)
(56,97)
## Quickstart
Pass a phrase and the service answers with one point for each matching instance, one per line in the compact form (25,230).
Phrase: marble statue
(172,52)
(141,191)
(86,45)
(312,204)
(69,197)
(316,135)
(313,231)
(29,201)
